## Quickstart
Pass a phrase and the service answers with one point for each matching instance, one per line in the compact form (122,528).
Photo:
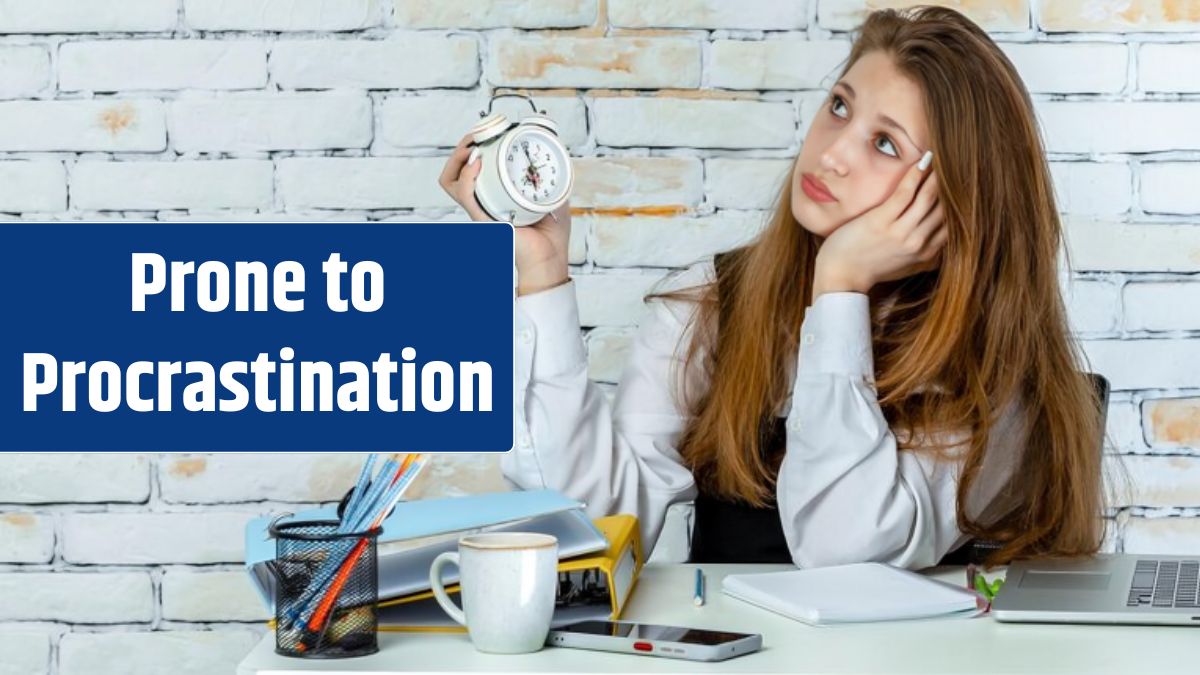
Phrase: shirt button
(808,339)
(794,425)
(526,336)
(523,441)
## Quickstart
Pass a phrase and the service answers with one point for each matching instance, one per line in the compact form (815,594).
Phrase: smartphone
(626,637)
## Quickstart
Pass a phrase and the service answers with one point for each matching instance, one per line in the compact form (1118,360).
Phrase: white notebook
(851,593)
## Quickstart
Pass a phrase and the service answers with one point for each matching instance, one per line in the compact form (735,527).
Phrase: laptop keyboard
(1164,583)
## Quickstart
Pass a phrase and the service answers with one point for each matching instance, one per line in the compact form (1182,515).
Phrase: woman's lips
(815,191)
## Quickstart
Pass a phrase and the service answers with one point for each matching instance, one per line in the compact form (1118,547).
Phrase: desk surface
(663,595)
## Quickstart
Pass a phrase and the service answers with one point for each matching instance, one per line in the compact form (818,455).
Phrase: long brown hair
(958,344)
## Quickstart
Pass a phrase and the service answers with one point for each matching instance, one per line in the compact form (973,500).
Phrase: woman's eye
(838,99)
(834,101)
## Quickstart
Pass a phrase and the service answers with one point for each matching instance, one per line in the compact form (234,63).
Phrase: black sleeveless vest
(726,531)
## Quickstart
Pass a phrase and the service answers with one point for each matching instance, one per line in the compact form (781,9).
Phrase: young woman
(884,373)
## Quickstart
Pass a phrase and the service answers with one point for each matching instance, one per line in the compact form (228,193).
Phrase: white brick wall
(745,183)
(669,121)
(24,70)
(613,62)
(198,595)
(631,182)
(259,122)
(26,538)
(1092,305)
(1070,68)
(33,186)
(109,125)
(750,14)
(1095,189)
(37,479)
(119,65)
(501,14)
(668,242)
(683,117)
(87,16)
(282,15)
(439,119)
(774,64)
(229,478)
(79,597)
(360,183)
(1156,71)
(148,185)
(149,538)
(399,62)
(25,652)
(1081,127)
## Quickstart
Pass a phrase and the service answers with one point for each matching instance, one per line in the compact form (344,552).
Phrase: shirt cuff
(835,337)
(548,323)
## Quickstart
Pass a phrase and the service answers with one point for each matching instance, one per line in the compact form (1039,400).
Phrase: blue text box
(447,296)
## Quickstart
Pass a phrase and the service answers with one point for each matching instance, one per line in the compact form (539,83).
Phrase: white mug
(507,582)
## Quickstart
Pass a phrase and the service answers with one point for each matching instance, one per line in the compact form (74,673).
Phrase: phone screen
(649,631)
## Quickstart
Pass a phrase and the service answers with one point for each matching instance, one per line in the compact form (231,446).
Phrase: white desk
(664,595)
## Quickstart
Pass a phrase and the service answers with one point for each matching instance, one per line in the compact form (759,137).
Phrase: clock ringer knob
(542,121)
(489,127)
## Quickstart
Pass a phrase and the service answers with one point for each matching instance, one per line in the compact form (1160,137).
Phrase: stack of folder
(599,560)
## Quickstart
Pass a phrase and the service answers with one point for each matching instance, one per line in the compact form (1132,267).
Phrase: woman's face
(850,148)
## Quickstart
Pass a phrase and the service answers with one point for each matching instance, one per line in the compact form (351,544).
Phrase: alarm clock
(526,170)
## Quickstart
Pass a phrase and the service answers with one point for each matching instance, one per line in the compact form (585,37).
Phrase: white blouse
(844,492)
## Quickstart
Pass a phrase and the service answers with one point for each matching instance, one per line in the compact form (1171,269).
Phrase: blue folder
(417,531)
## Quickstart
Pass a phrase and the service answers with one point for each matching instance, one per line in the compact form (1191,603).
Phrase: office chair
(975,550)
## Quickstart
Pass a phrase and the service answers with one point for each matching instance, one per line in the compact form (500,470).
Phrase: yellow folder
(590,587)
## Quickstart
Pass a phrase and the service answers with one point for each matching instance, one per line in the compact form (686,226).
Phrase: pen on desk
(376,503)
(698,596)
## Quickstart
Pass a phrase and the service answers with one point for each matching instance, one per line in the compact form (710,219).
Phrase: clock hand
(532,169)
(529,157)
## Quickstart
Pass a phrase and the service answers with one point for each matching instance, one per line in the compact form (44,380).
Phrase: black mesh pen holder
(327,590)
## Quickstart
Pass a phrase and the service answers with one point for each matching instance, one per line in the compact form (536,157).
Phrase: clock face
(537,167)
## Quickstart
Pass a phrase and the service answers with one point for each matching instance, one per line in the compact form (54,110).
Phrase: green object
(981,585)
(996,586)
(989,590)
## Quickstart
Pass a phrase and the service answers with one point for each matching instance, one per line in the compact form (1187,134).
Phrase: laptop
(1106,588)
(1121,588)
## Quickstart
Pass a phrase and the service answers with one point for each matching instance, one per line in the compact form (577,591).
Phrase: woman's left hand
(901,236)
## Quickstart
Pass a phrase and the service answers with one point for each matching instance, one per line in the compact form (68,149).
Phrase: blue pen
(373,492)
(356,511)
(301,610)
(364,480)
(698,596)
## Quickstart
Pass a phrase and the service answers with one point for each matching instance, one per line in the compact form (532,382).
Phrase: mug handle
(439,591)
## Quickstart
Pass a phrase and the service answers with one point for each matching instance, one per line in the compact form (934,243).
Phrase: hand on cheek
(901,236)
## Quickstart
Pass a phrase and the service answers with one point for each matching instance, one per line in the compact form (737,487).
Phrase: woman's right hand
(899,237)
(541,248)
